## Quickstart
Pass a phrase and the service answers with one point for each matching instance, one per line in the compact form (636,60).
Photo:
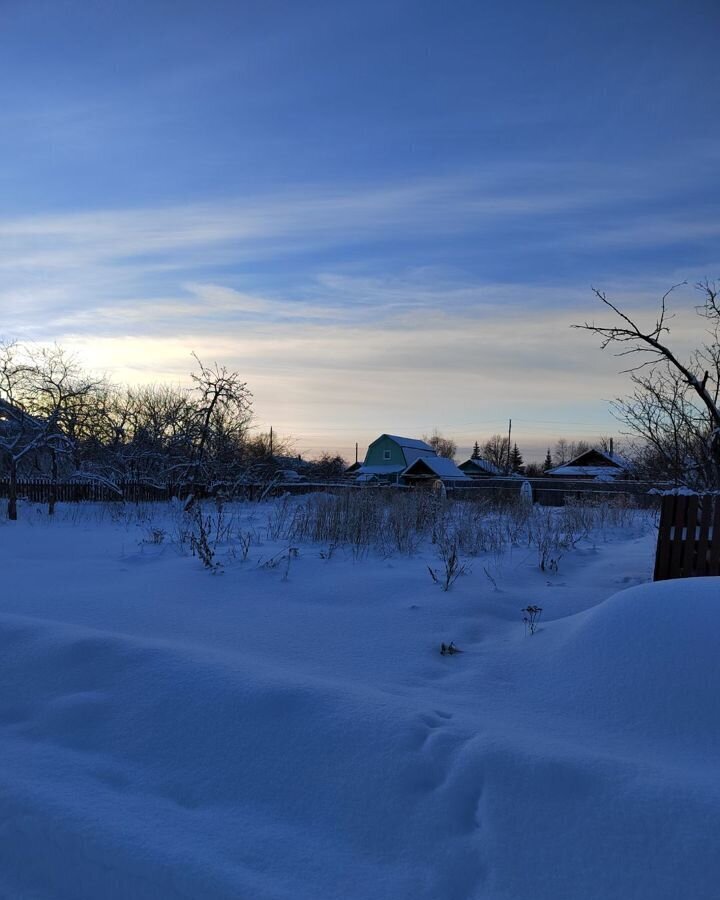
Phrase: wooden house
(594,463)
(389,455)
(428,469)
(479,468)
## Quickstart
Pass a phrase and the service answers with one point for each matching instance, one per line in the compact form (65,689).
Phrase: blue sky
(385,215)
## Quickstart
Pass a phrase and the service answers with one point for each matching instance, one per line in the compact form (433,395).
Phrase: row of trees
(498,451)
(58,421)
(494,450)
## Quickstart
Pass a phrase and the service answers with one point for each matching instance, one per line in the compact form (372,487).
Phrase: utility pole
(271,441)
(356,452)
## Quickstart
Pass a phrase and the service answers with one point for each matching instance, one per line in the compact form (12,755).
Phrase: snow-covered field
(286,727)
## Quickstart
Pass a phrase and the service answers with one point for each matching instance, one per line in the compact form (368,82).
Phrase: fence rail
(688,537)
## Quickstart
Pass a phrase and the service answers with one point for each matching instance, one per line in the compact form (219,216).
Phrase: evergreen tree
(476,451)
(548,461)
(516,460)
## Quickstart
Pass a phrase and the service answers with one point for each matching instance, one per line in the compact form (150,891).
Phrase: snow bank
(645,662)
(166,733)
(604,781)
(148,770)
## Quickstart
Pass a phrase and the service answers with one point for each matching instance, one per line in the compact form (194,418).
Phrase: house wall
(375,455)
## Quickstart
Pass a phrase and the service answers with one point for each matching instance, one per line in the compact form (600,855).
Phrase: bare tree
(45,400)
(20,433)
(675,404)
(441,445)
(566,450)
(223,412)
(327,466)
(61,399)
(56,420)
(496,450)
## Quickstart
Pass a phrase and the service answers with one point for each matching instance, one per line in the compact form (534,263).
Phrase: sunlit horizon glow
(385,216)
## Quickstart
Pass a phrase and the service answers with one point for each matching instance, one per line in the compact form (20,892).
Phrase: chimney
(611,446)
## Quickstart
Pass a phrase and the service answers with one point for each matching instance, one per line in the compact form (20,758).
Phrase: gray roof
(588,471)
(379,470)
(441,466)
(614,465)
(484,465)
(412,443)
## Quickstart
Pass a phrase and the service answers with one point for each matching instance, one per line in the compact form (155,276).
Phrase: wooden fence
(40,491)
(546,491)
(557,491)
(689,536)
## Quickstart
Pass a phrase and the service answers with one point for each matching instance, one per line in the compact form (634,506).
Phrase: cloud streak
(323,297)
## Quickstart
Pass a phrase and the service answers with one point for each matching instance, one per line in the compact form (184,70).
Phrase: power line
(332,429)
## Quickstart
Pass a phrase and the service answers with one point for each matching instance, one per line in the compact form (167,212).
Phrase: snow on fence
(689,536)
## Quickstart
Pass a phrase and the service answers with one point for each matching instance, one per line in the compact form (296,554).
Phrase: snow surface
(292,731)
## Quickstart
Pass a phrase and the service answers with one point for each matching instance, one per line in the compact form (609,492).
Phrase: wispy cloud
(324,297)
(182,237)
(123,264)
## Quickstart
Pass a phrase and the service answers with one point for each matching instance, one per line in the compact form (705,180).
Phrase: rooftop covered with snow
(437,466)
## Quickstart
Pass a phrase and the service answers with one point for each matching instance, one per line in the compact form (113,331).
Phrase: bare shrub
(551,538)
(452,567)
(200,540)
(531,615)
(244,540)
(391,521)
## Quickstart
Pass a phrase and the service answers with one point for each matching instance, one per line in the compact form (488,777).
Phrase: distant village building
(479,468)
(432,468)
(594,463)
(389,455)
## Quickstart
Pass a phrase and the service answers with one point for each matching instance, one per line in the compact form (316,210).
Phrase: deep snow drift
(275,732)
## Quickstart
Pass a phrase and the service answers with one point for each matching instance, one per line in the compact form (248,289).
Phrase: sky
(385,215)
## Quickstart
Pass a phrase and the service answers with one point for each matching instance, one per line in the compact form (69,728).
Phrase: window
(386,454)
